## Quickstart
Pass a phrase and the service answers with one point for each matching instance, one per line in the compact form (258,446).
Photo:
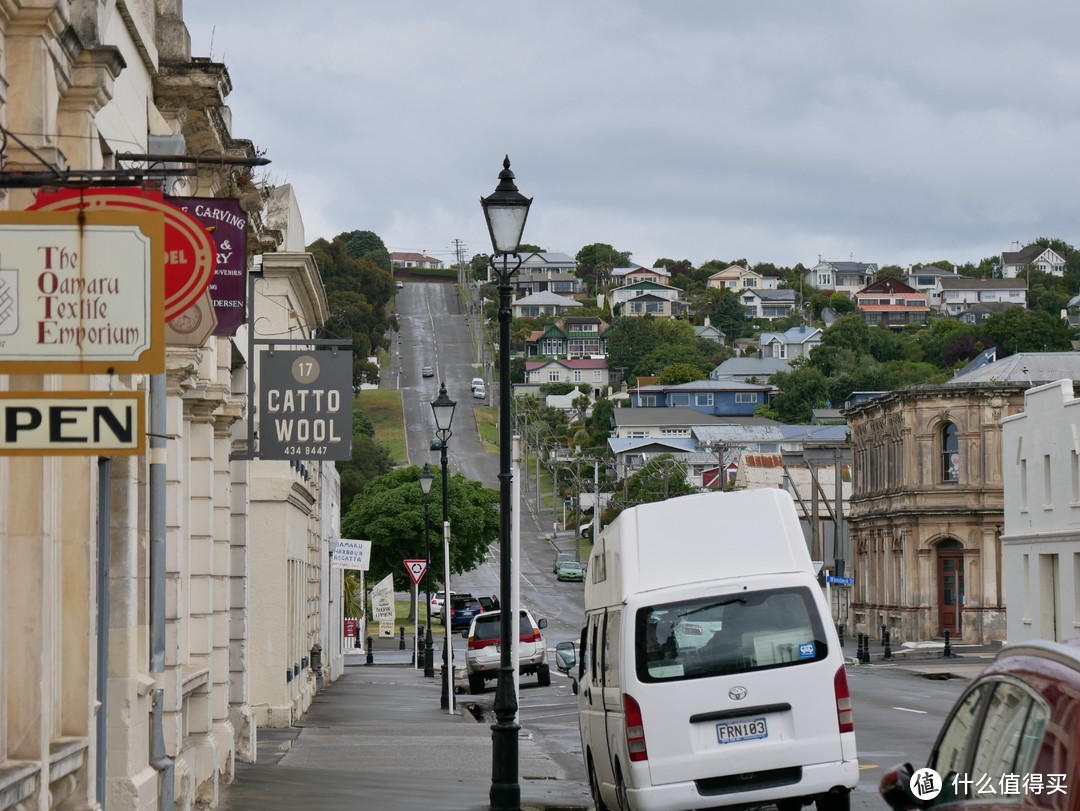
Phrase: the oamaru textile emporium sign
(81,293)
(305,404)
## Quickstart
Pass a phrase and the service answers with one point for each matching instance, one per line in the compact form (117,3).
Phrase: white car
(477,383)
(482,653)
(437,600)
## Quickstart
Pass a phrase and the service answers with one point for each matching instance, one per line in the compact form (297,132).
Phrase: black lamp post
(443,408)
(505,211)
(426,480)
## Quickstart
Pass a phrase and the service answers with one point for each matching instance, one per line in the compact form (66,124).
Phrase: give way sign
(416,569)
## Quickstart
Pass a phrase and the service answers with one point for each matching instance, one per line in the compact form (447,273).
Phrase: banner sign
(81,293)
(72,423)
(351,554)
(305,404)
(188,252)
(226,223)
(382,600)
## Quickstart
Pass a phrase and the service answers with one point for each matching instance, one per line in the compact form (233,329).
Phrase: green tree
(676,373)
(659,479)
(366,245)
(1019,330)
(841,303)
(729,316)
(389,512)
(600,422)
(802,390)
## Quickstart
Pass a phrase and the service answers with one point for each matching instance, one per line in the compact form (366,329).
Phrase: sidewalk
(377,738)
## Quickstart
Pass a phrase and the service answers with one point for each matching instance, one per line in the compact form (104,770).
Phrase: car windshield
(711,636)
(487,626)
(569,564)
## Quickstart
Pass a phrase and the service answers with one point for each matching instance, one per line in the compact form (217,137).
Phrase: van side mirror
(565,657)
(542,624)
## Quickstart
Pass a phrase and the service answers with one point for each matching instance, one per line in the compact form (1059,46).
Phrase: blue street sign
(840,581)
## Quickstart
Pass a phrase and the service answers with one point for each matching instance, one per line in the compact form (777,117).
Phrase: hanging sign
(189,254)
(226,223)
(72,423)
(305,404)
(81,294)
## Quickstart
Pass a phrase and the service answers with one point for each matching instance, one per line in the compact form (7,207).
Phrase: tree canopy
(389,512)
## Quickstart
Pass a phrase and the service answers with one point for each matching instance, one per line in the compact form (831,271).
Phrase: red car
(1012,741)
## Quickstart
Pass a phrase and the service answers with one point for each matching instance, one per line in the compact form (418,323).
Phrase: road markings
(905,709)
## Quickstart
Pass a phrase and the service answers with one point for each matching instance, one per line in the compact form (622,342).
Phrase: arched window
(950,453)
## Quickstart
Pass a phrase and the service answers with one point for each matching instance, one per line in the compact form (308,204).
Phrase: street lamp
(426,480)
(443,408)
(505,211)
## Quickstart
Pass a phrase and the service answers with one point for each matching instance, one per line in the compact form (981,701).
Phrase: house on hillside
(709,332)
(1014,262)
(891,303)
(738,278)
(570,337)
(958,294)
(749,370)
(623,294)
(588,371)
(764,303)
(925,280)
(549,273)
(841,277)
(406,260)
(622,277)
(536,304)
(717,397)
(654,305)
(796,342)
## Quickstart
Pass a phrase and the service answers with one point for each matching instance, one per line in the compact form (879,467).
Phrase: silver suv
(482,654)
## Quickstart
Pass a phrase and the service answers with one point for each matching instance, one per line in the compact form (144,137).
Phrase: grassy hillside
(383,407)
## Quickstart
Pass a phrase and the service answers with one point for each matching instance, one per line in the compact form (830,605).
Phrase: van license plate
(736,731)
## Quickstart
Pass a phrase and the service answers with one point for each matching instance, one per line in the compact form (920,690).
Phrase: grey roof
(546,297)
(688,417)
(966,283)
(818,433)
(745,367)
(852,267)
(1024,368)
(930,270)
(623,444)
(552,257)
(785,294)
(759,431)
(796,335)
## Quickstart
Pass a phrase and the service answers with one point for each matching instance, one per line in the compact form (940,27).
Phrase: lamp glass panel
(506,224)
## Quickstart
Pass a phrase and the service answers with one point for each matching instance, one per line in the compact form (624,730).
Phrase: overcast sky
(781,131)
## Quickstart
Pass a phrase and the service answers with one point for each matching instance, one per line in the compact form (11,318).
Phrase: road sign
(416,569)
(840,581)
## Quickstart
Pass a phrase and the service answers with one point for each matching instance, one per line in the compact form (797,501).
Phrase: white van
(710,673)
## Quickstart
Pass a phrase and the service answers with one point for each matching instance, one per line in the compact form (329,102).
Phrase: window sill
(19,780)
(66,756)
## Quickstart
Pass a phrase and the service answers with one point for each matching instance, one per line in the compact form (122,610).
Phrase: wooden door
(950,590)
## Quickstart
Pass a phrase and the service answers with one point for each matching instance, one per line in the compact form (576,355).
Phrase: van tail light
(635,729)
(844,715)
(477,644)
(535,636)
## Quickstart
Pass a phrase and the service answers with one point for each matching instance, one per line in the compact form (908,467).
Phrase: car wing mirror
(895,789)
(565,657)
(542,623)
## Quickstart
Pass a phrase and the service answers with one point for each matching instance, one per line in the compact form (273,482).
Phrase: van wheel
(543,676)
(620,790)
(594,789)
(788,805)
(476,683)
(834,801)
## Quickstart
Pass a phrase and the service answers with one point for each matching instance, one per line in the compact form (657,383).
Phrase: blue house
(729,398)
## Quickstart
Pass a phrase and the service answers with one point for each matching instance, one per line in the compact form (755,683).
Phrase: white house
(535,304)
(767,303)
(1040,539)
(620,295)
(957,294)
(796,342)
(841,277)
(738,278)
(409,259)
(592,372)
(1013,262)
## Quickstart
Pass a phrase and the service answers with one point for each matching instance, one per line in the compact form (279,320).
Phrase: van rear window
(722,634)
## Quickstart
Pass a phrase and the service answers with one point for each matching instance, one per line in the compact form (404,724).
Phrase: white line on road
(905,709)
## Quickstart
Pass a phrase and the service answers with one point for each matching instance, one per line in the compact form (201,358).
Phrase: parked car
(436,444)
(559,558)
(477,383)
(486,603)
(479,393)
(482,653)
(399,285)
(427,371)
(463,607)
(570,570)
(1010,740)
(437,600)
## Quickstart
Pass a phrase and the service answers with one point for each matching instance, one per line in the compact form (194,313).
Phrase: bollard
(888,648)
(419,658)
(859,649)
(401,637)
(948,647)
(370,653)
(884,630)
(865,648)
(840,633)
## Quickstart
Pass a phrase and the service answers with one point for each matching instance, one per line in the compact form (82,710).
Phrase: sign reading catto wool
(305,404)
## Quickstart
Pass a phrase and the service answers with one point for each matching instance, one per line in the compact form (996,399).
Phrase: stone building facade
(927,505)
(119,687)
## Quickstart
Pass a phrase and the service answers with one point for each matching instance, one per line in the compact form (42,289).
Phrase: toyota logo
(737,693)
